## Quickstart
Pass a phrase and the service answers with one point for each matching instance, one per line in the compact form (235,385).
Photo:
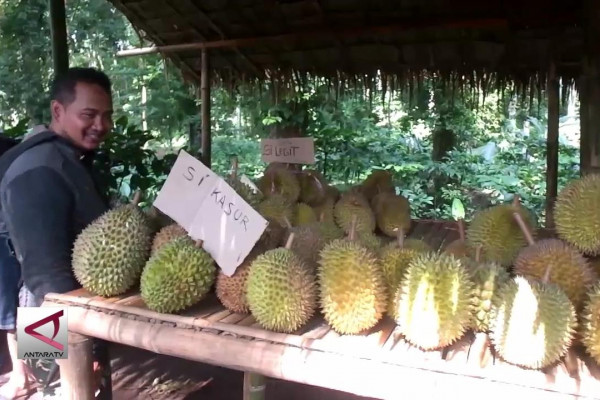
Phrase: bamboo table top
(378,363)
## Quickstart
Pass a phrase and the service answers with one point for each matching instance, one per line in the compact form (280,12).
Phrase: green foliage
(18,131)
(442,146)
(25,58)
(125,163)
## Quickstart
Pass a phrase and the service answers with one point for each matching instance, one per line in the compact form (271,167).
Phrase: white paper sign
(228,226)
(186,187)
(300,150)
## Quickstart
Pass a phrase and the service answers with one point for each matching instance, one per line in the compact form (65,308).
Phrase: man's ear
(57,110)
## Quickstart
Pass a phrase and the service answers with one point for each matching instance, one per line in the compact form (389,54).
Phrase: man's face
(88,119)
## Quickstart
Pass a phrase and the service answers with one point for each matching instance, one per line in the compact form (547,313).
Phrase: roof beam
(223,37)
(197,32)
(253,41)
(139,22)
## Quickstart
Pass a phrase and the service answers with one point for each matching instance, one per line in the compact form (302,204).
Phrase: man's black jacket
(47,196)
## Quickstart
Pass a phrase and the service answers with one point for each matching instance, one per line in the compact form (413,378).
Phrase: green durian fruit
(392,213)
(531,323)
(433,304)
(281,291)
(498,234)
(109,254)
(280,181)
(303,215)
(577,215)
(350,205)
(353,296)
(591,323)
(177,276)
(489,278)
(277,207)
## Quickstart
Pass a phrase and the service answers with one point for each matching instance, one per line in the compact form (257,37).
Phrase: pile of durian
(346,255)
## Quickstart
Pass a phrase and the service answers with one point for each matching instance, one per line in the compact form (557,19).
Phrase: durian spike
(234,167)
(287,222)
(290,240)
(199,243)
(400,237)
(137,197)
(524,228)
(461,229)
(353,227)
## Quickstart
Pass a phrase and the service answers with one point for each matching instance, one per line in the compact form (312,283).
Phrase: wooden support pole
(205,109)
(553,92)
(58,29)
(584,147)
(254,386)
(76,372)
(592,88)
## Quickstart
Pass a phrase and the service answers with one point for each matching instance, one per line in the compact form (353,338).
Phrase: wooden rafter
(298,36)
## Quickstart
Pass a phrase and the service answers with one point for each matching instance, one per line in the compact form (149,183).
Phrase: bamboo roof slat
(510,40)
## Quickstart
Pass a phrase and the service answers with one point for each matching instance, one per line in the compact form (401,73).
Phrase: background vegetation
(440,147)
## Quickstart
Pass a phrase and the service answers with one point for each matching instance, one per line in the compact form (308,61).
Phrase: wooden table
(377,364)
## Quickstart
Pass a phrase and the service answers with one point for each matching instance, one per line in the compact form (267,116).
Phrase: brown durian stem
(524,228)
(199,243)
(234,167)
(480,350)
(322,216)
(273,188)
(400,237)
(516,200)
(478,253)
(137,197)
(287,222)
(546,277)
(320,186)
(461,229)
(353,227)
(290,240)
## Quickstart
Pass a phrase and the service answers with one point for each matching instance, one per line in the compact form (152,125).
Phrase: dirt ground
(135,370)
(140,374)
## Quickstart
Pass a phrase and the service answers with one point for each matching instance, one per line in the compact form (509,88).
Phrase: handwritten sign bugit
(186,187)
(228,225)
(300,150)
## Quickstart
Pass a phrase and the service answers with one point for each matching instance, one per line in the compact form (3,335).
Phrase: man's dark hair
(62,88)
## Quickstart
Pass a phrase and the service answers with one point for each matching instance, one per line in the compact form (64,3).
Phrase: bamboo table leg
(76,372)
(254,386)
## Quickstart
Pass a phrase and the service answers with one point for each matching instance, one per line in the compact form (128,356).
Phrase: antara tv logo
(42,333)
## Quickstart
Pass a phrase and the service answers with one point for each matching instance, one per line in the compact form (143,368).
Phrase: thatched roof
(485,42)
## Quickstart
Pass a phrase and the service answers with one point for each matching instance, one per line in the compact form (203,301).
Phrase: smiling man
(48,194)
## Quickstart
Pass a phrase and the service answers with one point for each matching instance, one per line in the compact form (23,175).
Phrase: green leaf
(458,210)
